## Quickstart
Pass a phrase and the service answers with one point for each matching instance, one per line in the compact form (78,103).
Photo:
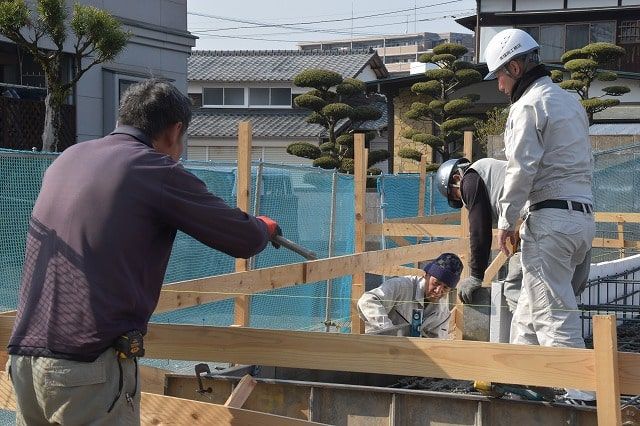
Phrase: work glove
(272,228)
(466,287)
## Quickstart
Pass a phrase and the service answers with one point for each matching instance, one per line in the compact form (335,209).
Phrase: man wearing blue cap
(398,301)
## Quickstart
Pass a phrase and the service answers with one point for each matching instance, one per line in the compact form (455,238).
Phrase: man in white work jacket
(549,166)
(393,303)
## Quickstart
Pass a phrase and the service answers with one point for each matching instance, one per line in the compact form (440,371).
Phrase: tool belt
(562,204)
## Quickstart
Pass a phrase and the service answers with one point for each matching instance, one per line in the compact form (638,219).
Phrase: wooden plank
(443,219)
(360,191)
(605,344)
(395,271)
(241,310)
(524,364)
(7,396)
(620,227)
(340,266)
(152,379)
(629,373)
(204,290)
(493,268)
(423,183)
(243,177)
(241,392)
(468,145)
(413,230)
(243,191)
(617,217)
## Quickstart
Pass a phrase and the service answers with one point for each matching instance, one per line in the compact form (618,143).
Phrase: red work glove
(272,228)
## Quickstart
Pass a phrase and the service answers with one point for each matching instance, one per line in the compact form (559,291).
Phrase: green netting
(616,185)
(299,198)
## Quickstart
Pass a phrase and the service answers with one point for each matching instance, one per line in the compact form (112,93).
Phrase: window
(551,42)
(263,96)
(555,39)
(577,36)
(630,32)
(223,96)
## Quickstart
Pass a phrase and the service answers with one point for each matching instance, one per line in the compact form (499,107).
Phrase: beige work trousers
(56,391)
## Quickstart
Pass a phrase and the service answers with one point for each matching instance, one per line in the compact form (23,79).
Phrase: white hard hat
(505,46)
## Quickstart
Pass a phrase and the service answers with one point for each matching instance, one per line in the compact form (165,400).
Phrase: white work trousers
(554,242)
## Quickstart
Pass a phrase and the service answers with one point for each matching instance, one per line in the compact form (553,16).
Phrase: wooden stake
(360,189)
(605,344)
(241,392)
(243,184)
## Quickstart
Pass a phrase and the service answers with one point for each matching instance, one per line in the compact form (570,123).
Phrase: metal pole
(256,201)
(383,240)
(432,178)
(332,222)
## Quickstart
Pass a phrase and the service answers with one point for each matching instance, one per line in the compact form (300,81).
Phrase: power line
(254,24)
(205,33)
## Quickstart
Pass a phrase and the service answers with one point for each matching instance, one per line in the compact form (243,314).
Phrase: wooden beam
(205,290)
(243,176)
(443,219)
(493,268)
(524,364)
(396,271)
(605,344)
(360,192)
(7,396)
(339,266)
(423,183)
(617,217)
(629,373)
(242,303)
(241,392)
(413,230)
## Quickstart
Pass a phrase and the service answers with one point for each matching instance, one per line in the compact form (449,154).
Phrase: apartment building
(398,51)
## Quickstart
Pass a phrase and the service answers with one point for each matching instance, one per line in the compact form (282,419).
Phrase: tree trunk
(52,121)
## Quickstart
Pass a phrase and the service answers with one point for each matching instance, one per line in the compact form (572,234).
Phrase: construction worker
(401,301)
(98,245)
(549,167)
(478,187)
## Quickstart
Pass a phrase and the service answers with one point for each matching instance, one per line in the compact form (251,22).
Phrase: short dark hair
(153,105)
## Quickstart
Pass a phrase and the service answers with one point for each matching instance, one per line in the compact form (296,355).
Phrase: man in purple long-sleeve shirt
(98,244)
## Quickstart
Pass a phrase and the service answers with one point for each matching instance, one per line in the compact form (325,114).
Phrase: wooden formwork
(603,369)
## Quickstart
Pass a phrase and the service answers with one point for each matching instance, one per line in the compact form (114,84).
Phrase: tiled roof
(277,65)
(265,123)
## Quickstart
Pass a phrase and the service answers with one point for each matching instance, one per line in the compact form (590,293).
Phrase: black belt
(562,204)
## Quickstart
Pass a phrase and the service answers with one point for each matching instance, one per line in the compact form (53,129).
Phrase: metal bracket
(200,369)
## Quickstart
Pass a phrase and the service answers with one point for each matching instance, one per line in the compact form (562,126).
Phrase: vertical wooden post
(360,189)
(605,344)
(423,184)
(465,252)
(243,183)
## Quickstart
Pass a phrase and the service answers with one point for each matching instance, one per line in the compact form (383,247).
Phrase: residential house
(159,47)
(398,51)
(257,86)
(561,25)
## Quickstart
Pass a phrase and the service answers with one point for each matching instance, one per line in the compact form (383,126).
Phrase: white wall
(580,4)
(226,149)
(495,5)
(367,74)
(630,2)
(539,4)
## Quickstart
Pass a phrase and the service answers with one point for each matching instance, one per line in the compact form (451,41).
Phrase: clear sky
(281,24)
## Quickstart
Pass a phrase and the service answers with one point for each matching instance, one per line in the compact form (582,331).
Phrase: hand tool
(296,248)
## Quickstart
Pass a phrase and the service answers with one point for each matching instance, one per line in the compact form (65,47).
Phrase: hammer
(296,248)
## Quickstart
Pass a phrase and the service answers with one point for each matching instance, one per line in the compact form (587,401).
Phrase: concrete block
(477,315)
